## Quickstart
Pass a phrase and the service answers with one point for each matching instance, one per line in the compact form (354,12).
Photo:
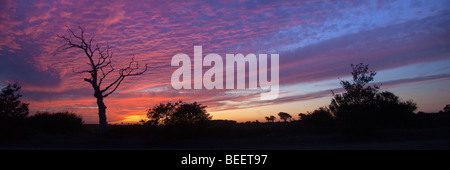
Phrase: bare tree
(100,67)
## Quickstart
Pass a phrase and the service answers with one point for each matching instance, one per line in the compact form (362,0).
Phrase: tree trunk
(101,114)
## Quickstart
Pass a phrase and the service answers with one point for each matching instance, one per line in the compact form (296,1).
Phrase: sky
(406,41)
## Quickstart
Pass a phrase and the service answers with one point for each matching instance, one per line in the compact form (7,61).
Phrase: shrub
(362,107)
(321,116)
(57,122)
(178,113)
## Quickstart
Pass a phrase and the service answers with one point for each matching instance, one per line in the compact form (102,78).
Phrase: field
(228,135)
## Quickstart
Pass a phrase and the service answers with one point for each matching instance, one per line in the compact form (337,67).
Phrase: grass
(425,133)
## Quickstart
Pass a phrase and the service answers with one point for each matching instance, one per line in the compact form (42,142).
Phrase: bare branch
(89,80)
(99,64)
(105,54)
(125,72)
(113,83)
(105,74)
(112,91)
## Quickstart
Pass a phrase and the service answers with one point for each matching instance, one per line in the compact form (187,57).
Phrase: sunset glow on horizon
(406,41)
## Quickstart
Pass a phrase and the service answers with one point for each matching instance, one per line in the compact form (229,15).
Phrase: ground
(232,136)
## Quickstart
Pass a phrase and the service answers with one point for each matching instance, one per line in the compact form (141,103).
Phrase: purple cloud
(316,40)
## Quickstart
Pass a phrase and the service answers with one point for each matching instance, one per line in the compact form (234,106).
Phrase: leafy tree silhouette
(447,108)
(13,112)
(390,110)
(358,91)
(10,105)
(270,118)
(352,106)
(285,116)
(362,106)
(321,116)
(100,67)
(178,113)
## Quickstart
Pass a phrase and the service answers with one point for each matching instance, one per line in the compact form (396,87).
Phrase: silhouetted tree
(358,91)
(57,122)
(321,116)
(362,106)
(447,108)
(10,105)
(178,113)
(389,109)
(270,118)
(100,67)
(284,116)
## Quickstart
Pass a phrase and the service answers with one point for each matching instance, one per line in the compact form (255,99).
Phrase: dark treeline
(15,121)
(362,113)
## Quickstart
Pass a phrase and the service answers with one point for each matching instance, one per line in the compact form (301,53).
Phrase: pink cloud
(155,31)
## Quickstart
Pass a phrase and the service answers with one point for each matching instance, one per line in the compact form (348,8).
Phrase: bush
(178,113)
(362,108)
(362,103)
(57,122)
(321,116)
